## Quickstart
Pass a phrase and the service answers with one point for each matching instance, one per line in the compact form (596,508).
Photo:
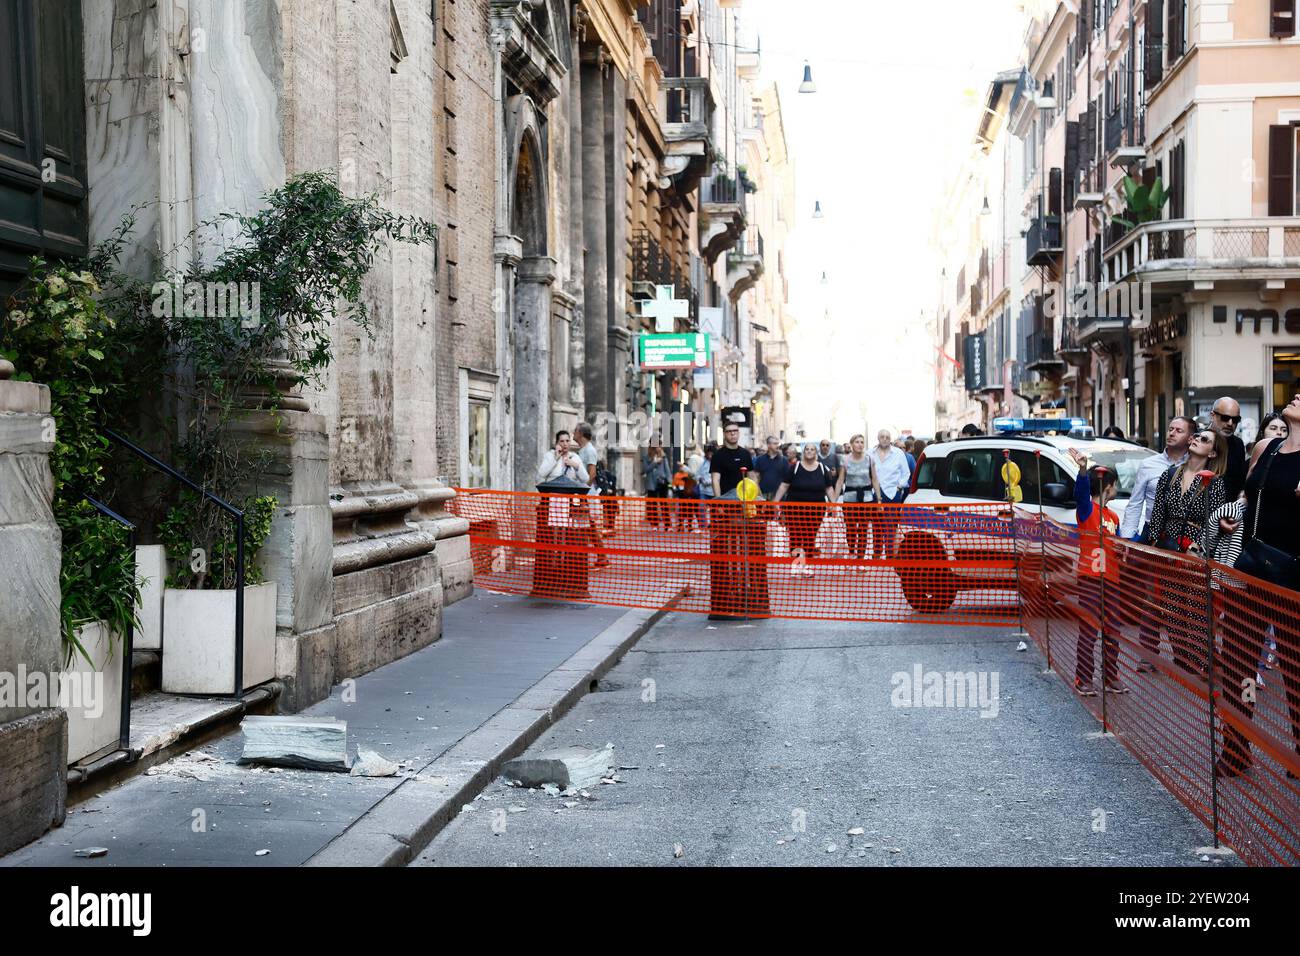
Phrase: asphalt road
(768,743)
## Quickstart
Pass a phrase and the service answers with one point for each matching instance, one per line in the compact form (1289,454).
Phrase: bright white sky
(899,89)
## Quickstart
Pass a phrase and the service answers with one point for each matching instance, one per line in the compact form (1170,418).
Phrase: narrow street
(766,743)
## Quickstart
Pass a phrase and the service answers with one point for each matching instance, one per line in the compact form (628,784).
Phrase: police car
(954,475)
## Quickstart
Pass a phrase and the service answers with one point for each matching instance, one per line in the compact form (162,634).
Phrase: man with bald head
(1225,416)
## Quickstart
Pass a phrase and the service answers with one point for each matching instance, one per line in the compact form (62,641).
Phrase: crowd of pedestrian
(1207,495)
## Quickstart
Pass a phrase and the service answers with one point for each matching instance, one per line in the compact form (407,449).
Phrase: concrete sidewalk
(203,809)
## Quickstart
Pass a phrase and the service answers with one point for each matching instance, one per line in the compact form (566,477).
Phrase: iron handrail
(236,513)
(128,639)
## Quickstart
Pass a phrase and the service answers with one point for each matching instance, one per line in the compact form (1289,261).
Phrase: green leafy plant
(1144,203)
(217,566)
(305,254)
(56,332)
(97,578)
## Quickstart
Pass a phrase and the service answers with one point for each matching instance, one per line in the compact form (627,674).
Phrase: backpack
(605,480)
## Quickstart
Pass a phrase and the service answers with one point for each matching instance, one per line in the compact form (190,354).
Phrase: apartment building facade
(1125,321)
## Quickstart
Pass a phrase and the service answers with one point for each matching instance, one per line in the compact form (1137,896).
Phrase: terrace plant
(1143,203)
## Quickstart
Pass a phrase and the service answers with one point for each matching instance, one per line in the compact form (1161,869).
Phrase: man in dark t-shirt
(729,460)
(771,468)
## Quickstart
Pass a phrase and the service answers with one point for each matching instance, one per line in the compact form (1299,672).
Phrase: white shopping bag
(778,540)
(832,537)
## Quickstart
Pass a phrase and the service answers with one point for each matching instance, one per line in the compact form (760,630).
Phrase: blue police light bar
(1009,426)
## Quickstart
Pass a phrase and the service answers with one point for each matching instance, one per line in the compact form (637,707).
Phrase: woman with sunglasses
(1180,518)
(1271,551)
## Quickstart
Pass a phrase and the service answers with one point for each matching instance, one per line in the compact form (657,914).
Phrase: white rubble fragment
(679,851)
(371,764)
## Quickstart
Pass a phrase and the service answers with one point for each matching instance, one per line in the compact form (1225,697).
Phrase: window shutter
(1154,42)
(1071,161)
(1281,170)
(1174,30)
(1282,19)
(1054,191)
(1177,189)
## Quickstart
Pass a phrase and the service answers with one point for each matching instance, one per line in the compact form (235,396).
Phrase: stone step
(164,726)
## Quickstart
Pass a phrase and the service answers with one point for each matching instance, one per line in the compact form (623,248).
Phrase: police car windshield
(1123,459)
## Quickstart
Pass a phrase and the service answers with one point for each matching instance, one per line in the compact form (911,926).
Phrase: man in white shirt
(590,458)
(891,467)
(1141,503)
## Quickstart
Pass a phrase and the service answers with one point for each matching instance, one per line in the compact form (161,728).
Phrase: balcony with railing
(1181,250)
(687,109)
(686,106)
(1040,352)
(1124,136)
(745,264)
(1043,241)
(723,211)
(653,266)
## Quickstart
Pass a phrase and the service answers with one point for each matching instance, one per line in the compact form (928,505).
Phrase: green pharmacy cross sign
(688,350)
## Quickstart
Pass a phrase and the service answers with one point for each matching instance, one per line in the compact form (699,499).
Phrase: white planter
(150,564)
(93,694)
(199,639)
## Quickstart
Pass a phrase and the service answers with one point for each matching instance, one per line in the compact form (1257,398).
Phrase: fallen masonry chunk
(856,831)
(679,851)
(370,764)
(563,767)
(309,743)
(92,851)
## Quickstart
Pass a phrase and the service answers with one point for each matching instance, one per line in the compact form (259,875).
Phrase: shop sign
(1162,330)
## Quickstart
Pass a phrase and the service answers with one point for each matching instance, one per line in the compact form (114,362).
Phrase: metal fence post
(1209,664)
(1042,553)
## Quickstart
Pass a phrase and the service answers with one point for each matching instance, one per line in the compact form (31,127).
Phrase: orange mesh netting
(1193,665)
(851,562)
(1201,669)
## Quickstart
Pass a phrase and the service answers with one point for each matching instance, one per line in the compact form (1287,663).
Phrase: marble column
(577,350)
(531,335)
(595,239)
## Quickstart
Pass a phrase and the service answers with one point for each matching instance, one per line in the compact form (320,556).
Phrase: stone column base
(34,782)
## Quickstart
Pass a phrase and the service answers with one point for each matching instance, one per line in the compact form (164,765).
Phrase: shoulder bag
(1262,560)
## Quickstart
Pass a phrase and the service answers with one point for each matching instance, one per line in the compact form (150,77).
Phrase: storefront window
(1286,376)
(480,475)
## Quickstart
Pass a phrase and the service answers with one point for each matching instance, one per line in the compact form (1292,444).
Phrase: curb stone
(397,828)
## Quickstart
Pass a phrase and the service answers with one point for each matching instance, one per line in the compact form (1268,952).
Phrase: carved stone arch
(529,206)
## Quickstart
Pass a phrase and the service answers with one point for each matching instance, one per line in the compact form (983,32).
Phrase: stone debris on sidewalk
(371,764)
(562,768)
(305,743)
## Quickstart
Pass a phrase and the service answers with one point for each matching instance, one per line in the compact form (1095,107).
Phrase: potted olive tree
(290,267)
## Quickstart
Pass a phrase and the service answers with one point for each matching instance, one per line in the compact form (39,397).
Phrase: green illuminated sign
(687,350)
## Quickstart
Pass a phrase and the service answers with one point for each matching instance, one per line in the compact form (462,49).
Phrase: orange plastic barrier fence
(851,562)
(1197,674)
(1195,668)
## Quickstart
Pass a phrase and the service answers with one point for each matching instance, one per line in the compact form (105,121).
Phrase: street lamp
(817,210)
(807,86)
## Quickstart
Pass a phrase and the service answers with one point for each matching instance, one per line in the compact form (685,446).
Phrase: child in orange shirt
(1094,488)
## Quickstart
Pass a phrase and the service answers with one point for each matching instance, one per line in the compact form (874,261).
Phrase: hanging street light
(807,86)
(817,210)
